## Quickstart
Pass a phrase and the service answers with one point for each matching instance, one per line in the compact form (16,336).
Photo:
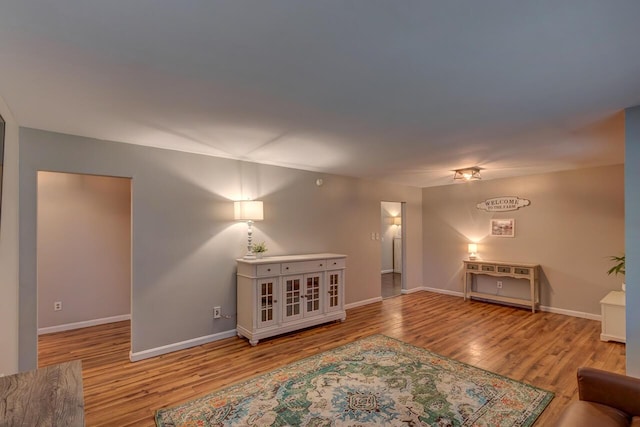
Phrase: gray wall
(632,197)
(184,239)
(84,247)
(9,247)
(574,223)
(182,214)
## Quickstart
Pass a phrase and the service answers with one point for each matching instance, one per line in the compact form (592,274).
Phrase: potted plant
(619,267)
(259,249)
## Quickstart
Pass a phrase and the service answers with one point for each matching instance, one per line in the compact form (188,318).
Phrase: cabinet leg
(464,291)
(253,342)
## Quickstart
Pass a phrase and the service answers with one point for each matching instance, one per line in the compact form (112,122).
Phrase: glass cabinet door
(334,290)
(267,301)
(312,295)
(292,297)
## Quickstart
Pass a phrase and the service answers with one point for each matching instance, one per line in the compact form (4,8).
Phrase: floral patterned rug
(376,381)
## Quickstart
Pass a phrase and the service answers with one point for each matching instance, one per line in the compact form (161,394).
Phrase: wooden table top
(49,396)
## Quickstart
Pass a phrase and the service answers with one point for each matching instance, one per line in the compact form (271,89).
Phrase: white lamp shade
(473,248)
(248,210)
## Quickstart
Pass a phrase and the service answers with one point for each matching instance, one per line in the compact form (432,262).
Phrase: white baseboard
(442,291)
(572,313)
(562,311)
(85,324)
(387,271)
(412,290)
(153,352)
(361,303)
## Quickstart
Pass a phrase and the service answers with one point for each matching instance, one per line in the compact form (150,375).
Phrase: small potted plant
(619,267)
(259,249)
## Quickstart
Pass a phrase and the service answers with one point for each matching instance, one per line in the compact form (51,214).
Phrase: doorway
(392,248)
(83,251)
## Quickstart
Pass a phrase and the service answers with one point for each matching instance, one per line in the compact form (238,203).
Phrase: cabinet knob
(320,265)
(275,301)
(286,268)
(335,263)
(268,269)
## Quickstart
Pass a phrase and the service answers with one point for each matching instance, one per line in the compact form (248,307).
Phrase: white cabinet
(613,317)
(285,293)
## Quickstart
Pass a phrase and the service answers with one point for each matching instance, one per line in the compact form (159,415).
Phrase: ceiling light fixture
(468,174)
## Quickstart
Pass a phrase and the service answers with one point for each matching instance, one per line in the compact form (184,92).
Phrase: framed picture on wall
(503,227)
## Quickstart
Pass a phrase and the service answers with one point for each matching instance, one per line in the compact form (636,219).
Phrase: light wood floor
(542,349)
(391,284)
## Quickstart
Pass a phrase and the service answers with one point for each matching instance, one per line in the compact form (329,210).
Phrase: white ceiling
(397,90)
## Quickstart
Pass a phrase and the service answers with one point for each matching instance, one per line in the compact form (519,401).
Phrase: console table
(529,272)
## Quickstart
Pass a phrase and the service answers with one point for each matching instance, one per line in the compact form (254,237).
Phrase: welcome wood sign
(503,204)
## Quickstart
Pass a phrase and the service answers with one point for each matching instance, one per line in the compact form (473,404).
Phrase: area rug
(376,381)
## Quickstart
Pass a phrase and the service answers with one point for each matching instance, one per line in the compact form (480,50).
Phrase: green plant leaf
(619,266)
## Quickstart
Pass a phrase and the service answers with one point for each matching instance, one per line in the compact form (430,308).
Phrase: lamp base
(250,254)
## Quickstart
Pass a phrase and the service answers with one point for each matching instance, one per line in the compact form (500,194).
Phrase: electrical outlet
(216,312)
(499,284)
(57,306)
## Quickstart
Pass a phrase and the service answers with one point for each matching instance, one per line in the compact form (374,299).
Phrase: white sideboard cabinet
(281,294)
(613,317)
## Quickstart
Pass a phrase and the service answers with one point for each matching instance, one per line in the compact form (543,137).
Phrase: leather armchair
(605,399)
